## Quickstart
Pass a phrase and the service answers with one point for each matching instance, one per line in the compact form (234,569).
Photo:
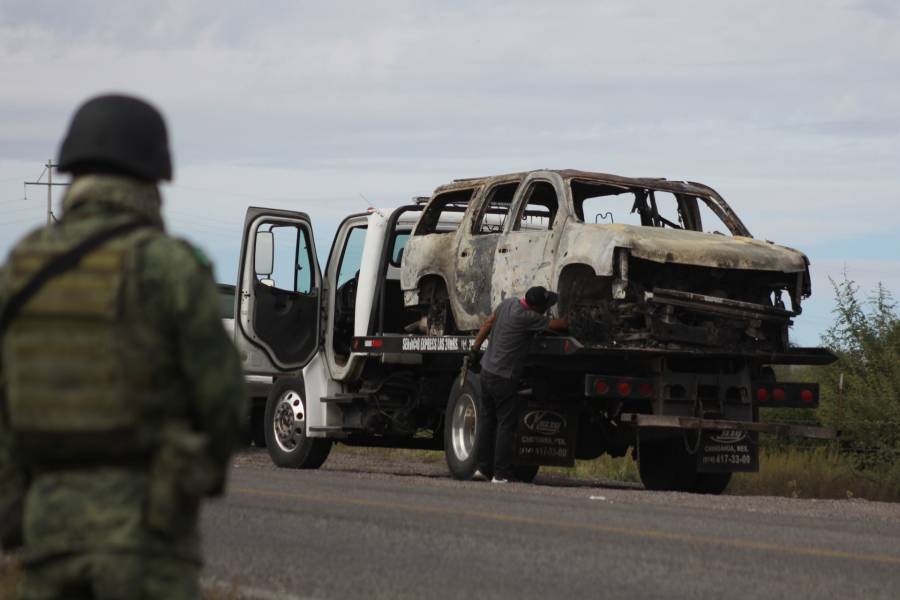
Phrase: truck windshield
(608,203)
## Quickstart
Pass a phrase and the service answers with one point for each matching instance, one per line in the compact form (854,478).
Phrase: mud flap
(728,451)
(545,434)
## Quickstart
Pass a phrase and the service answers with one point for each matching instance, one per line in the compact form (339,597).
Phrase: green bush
(861,391)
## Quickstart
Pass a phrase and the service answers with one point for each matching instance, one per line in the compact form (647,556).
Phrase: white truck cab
(296,323)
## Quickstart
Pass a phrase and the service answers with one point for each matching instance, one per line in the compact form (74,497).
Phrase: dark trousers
(497,440)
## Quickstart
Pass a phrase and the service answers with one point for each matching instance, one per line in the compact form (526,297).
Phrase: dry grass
(818,473)
(811,473)
(425,456)
(605,467)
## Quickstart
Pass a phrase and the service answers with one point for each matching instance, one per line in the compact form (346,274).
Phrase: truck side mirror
(264,254)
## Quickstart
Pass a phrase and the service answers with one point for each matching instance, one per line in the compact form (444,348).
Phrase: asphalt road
(363,527)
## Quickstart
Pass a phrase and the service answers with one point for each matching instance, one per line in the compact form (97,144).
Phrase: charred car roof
(689,188)
(658,183)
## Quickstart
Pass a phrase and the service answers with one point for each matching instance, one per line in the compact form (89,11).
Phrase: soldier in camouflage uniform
(122,396)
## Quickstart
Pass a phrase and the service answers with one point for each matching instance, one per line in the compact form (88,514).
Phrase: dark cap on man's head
(540,299)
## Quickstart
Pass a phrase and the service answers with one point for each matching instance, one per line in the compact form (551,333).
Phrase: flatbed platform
(569,346)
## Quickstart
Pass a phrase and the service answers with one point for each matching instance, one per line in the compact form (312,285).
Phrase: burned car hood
(702,249)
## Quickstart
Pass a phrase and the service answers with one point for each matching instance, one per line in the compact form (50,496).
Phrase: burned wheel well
(579,281)
(585,299)
(432,290)
(434,302)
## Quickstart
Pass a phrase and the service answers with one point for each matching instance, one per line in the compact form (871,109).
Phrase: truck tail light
(613,387)
(359,344)
(787,395)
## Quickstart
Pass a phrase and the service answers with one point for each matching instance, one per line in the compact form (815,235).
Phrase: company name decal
(728,437)
(544,422)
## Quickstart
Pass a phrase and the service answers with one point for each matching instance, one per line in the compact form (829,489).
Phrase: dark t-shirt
(510,339)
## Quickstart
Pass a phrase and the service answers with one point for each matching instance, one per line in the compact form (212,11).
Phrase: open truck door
(279,293)
(278,328)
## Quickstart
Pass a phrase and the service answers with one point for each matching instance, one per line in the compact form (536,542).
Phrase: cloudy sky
(789,109)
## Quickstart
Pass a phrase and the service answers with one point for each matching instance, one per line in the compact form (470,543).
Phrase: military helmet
(119,134)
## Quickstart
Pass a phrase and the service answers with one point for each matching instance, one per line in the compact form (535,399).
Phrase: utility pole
(48,168)
(840,412)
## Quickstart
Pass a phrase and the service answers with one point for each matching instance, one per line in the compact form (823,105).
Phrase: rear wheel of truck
(525,473)
(665,465)
(285,429)
(461,433)
(460,427)
(711,483)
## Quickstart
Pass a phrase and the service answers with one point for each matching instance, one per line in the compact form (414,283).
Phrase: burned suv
(638,262)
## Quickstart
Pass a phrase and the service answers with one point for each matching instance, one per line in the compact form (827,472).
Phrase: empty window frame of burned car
(604,202)
(538,208)
(445,212)
(495,208)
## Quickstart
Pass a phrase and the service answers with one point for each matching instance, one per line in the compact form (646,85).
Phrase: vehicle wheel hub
(463,426)
(289,421)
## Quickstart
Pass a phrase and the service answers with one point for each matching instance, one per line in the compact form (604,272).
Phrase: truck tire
(285,428)
(258,422)
(461,432)
(461,427)
(525,473)
(665,465)
(711,483)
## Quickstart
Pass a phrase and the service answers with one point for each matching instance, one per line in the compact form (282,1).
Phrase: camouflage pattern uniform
(125,525)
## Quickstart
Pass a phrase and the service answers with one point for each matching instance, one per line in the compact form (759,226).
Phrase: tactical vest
(74,384)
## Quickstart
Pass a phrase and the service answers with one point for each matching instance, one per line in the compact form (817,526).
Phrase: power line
(48,168)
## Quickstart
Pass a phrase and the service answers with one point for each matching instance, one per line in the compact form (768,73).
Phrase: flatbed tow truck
(345,370)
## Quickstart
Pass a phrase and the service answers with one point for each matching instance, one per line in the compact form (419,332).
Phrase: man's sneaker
(479,476)
(499,480)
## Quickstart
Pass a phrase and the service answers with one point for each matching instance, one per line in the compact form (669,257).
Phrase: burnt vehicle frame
(666,281)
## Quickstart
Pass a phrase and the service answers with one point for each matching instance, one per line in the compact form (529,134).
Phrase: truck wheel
(461,427)
(258,422)
(711,483)
(285,429)
(665,465)
(525,473)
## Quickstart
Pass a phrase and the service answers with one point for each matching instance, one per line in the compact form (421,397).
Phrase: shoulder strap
(60,265)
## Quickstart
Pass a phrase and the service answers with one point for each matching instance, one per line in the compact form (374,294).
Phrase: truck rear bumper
(696,423)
